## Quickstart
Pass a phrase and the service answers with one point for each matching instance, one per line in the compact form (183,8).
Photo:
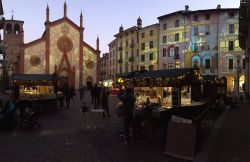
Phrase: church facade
(61,50)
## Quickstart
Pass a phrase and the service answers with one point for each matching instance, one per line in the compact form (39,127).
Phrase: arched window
(196,61)
(8,28)
(16,29)
(171,52)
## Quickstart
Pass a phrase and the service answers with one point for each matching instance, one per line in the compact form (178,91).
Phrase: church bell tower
(13,38)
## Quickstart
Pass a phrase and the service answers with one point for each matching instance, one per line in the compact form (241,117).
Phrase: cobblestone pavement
(232,143)
(70,136)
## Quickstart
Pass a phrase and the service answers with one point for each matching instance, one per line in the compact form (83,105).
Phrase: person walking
(96,95)
(67,94)
(81,91)
(105,102)
(128,101)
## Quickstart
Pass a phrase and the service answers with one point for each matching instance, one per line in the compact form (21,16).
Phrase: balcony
(120,48)
(131,58)
(119,61)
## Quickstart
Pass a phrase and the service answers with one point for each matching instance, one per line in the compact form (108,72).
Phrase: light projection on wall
(196,61)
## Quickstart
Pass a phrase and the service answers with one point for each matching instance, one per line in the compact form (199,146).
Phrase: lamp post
(238,74)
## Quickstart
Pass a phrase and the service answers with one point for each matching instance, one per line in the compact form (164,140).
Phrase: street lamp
(238,74)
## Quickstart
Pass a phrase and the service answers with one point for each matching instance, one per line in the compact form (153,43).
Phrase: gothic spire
(47,13)
(65,9)
(97,43)
(81,20)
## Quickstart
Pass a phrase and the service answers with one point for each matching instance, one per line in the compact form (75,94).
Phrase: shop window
(230,64)
(207,64)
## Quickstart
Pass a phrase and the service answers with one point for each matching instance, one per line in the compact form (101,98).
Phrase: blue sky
(101,17)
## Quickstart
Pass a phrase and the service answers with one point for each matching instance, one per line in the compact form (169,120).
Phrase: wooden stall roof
(34,77)
(164,73)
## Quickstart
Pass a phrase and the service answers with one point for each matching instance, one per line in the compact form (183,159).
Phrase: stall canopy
(164,73)
(170,77)
(40,78)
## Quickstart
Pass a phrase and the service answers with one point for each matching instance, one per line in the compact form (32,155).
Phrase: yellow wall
(89,55)
(38,50)
(64,29)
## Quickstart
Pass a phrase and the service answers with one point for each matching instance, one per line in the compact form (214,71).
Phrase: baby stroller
(30,119)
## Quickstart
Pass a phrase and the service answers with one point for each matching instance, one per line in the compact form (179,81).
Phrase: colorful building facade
(148,47)
(207,39)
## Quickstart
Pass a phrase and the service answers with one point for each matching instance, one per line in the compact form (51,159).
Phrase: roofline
(112,41)
(88,46)
(133,27)
(34,42)
(195,11)
(156,24)
(56,22)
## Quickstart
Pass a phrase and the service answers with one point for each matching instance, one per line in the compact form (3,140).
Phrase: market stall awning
(33,77)
(164,73)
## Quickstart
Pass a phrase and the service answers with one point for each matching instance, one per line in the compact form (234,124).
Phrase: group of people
(100,95)
(67,93)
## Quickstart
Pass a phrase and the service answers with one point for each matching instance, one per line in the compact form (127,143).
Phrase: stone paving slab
(232,143)
(71,136)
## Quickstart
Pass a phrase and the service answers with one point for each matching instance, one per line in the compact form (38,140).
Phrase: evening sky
(101,17)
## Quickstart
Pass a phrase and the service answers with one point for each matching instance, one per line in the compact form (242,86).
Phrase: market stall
(167,88)
(38,89)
